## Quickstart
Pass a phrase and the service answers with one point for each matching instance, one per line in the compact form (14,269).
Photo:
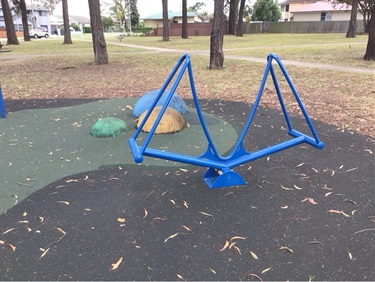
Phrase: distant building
(323,11)
(37,16)
(57,23)
(312,10)
(156,20)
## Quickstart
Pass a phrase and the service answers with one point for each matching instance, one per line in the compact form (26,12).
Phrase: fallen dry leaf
(7,231)
(121,219)
(254,255)
(238,250)
(2,242)
(146,213)
(11,246)
(311,200)
(180,277)
(286,188)
(237,238)
(24,214)
(186,228)
(287,249)
(170,237)
(160,218)
(60,230)
(226,245)
(345,214)
(350,256)
(207,214)
(186,204)
(267,269)
(116,264)
(64,202)
(341,212)
(334,211)
(351,169)
(232,244)
(71,180)
(256,276)
(44,253)
(298,188)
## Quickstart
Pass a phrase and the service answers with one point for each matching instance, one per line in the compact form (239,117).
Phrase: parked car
(38,33)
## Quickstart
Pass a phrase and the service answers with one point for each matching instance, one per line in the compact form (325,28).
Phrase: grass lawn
(48,69)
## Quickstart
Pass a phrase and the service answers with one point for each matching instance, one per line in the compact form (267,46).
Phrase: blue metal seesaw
(220,173)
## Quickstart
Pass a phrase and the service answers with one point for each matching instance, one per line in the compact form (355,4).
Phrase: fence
(193,29)
(300,27)
(3,34)
(204,29)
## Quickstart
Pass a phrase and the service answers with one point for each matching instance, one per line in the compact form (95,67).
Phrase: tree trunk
(165,20)
(98,40)
(25,24)
(9,25)
(370,50)
(353,20)
(184,33)
(217,37)
(67,35)
(366,22)
(233,16)
(240,19)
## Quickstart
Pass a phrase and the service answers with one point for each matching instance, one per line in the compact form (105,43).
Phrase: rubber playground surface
(75,207)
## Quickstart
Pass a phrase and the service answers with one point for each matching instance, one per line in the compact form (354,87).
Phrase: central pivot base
(216,178)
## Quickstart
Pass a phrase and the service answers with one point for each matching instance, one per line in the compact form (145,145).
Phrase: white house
(323,11)
(37,17)
(313,10)
(57,22)
(156,20)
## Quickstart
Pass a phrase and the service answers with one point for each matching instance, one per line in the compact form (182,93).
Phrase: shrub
(87,29)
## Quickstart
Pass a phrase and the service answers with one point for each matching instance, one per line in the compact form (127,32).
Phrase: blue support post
(2,106)
(219,173)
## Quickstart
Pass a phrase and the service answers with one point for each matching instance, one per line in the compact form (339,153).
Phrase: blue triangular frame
(220,173)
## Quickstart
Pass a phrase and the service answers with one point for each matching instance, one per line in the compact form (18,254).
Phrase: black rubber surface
(305,215)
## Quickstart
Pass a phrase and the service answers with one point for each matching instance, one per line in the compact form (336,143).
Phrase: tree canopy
(134,13)
(107,22)
(196,7)
(266,10)
(121,10)
(48,4)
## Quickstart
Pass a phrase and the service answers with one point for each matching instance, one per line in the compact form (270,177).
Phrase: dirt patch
(340,98)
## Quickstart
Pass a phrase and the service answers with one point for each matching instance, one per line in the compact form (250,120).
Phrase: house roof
(36,8)
(322,6)
(171,15)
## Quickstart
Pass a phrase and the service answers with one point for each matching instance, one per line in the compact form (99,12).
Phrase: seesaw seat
(220,173)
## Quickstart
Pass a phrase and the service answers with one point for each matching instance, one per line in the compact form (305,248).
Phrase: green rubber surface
(43,145)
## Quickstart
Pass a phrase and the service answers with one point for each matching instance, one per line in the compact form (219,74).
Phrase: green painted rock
(109,127)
